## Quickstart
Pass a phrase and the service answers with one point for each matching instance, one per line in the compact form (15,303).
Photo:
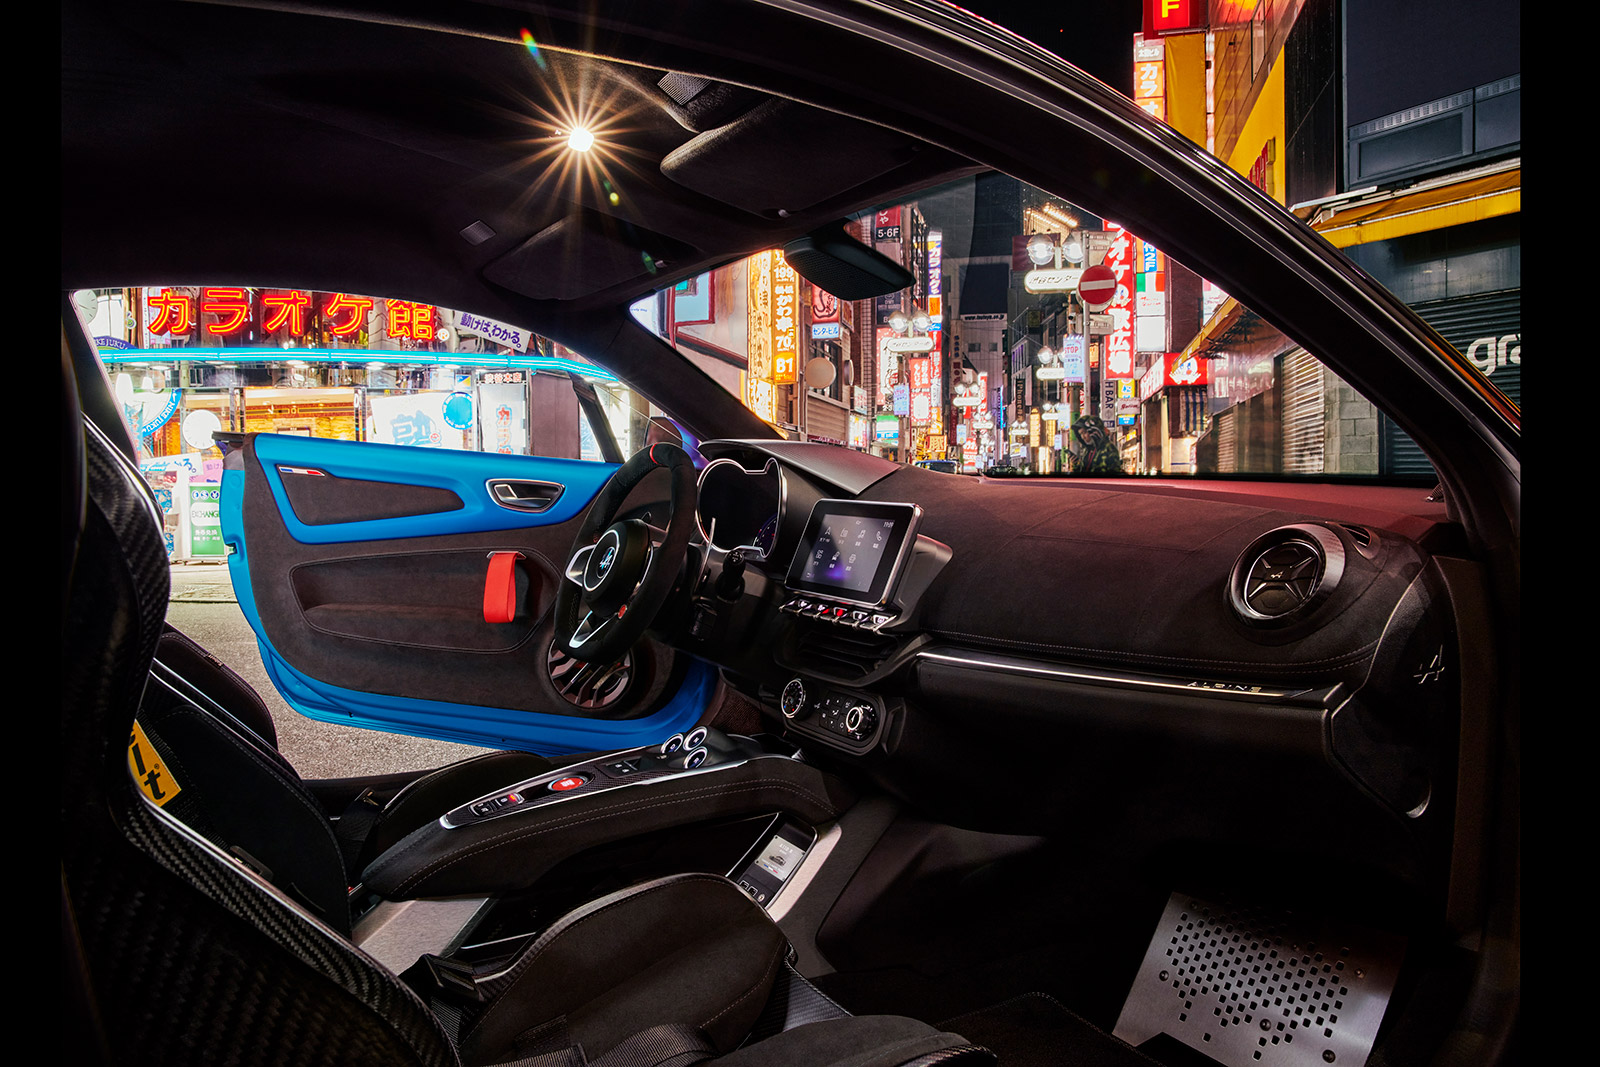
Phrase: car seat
(176,950)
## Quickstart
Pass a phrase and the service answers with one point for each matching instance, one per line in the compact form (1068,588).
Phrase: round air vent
(1285,573)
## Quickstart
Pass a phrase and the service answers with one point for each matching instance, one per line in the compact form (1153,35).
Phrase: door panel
(362,569)
(337,495)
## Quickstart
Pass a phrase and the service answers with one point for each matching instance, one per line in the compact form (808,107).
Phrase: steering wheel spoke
(620,573)
(590,627)
(579,563)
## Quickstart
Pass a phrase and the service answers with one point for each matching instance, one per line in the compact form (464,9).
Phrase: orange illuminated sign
(1173,16)
(785,321)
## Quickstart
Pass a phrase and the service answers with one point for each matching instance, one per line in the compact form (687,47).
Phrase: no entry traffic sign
(1098,287)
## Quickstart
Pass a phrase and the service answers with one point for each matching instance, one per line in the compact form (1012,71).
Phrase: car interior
(1085,772)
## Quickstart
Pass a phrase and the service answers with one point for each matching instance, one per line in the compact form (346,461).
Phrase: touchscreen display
(848,551)
(851,549)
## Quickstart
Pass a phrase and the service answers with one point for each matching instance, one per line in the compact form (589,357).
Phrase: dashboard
(1001,652)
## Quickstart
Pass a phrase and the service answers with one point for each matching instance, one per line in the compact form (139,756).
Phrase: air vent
(843,654)
(1283,578)
(1360,534)
(1285,574)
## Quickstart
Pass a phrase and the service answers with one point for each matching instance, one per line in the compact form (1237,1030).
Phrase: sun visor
(755,162)
(582,254)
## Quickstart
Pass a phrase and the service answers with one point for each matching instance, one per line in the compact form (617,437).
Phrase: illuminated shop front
(186,362)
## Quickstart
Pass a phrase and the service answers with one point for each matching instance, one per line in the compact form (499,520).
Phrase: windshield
(1037,338)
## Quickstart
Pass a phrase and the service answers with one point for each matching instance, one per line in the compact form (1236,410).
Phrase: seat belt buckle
(455,981)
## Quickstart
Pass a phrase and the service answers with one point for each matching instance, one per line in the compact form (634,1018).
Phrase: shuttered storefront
(1300,379)
(1225,425)
(1487,328)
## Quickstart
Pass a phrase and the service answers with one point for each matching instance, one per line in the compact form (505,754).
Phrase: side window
(187,362)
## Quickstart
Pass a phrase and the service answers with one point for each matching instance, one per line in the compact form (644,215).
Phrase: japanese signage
(759,395)
(228,311)
(505,417)
(888,363)
(1239,377)
(1173,16)
(886,428)
(921,375)
(418,419)
(785,321)
(512,337)
(1261,170)
(886,225)
(1150,75)
(824,314)
(1052,281)
(1119,341)
(1186,370)
(205,521)
(1174,369)
(1073,357)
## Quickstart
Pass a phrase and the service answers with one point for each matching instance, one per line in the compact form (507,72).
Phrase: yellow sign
(144,763)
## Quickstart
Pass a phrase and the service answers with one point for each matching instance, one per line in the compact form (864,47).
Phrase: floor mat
(1034,1030)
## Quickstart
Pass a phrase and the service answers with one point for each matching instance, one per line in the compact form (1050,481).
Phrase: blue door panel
(466,474)
(491,727)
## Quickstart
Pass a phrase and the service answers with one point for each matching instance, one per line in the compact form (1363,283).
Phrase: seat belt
(352,830)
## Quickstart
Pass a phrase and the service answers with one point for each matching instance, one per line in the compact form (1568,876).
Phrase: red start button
(563,785)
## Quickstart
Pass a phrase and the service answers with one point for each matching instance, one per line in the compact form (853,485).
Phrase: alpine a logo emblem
(605,560)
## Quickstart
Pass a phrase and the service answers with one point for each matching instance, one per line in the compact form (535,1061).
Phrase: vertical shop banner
(1074,358)
(423,420)
(785,322)
(888,363)
(1119,342)
(921,375)
(205,522)
(760,397)
(503,419)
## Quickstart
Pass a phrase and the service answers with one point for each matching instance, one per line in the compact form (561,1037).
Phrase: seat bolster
(689,949)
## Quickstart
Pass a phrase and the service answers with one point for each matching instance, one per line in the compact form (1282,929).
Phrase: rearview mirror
(836,263)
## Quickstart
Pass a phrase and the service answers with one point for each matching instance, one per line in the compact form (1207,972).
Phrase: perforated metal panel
(1253,987)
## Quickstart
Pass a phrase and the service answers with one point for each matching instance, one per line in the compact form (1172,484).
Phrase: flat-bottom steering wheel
(620,573)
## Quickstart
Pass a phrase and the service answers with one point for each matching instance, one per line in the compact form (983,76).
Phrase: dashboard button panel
(843,615)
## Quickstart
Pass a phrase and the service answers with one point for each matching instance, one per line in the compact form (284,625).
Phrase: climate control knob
(860,719)
(793,701)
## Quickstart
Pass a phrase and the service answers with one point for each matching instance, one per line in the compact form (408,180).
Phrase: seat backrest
(183,954)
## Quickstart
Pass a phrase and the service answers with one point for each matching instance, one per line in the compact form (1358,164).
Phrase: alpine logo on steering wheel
(606,560)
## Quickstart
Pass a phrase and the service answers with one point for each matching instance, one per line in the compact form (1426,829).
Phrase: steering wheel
(620,573)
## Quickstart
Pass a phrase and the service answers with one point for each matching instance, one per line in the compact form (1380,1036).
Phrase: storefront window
(187,362)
